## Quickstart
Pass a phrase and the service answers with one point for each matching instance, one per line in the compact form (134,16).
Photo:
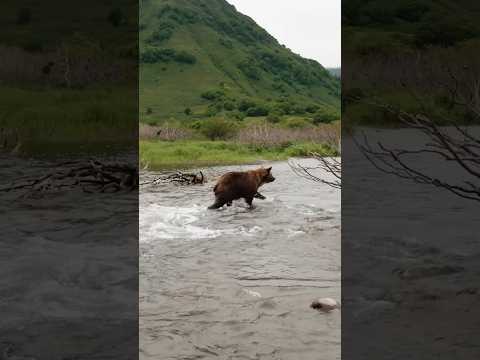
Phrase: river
(237,283)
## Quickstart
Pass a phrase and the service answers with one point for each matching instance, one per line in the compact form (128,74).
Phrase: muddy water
(68,261)
(411,257)
(237,283)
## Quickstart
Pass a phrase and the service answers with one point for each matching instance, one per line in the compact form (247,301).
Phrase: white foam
(252,293)
(167,222)
(293,233)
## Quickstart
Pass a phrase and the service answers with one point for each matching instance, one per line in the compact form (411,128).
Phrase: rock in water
(325,304)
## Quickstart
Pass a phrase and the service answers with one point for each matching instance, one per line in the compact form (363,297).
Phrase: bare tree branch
(329,165)
(454,144)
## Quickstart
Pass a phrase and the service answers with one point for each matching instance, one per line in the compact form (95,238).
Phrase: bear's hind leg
(219,202)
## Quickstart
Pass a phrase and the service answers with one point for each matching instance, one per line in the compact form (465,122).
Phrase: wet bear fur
(237,185)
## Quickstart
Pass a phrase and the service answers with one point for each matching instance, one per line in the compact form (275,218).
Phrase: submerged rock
(325,304)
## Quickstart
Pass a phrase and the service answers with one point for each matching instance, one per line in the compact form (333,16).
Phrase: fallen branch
(178,178)
(92,176)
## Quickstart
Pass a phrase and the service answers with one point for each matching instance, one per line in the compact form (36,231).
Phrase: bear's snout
(270,179)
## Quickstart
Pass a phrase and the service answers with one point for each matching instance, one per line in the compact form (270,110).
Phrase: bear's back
(237,184)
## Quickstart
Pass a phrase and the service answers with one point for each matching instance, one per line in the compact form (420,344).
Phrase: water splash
(167,222)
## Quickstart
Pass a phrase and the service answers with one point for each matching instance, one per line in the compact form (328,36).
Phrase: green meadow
(162,155)
(59,117)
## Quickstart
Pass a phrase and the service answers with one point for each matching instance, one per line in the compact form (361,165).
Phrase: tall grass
(194,153)
(165,132)
(268,135)
(256,133)
(63,116)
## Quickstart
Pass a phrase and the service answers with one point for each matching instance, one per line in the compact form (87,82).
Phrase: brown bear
(236,185)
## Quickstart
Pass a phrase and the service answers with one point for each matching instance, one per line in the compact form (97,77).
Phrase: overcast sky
(310,28)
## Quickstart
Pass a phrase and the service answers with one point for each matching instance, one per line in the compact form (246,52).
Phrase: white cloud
(311,28)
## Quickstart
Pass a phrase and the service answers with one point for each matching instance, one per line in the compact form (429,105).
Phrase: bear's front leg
(259,196)
(249,201)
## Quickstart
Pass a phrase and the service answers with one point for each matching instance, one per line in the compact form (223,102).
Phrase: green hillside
(201,58)
(41,26)
(376,26)
(403,53)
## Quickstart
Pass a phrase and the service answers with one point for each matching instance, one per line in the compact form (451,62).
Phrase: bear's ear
(269,169)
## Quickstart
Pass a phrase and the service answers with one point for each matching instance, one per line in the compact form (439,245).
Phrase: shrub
(325,117)
(229,105)
(380,13)
(151,55)
(257,111)
(163,33)
(284,107)
(196,125)
(296,123)
(441,33)
(218,129)
(411,11)
(312,108)
(185,57)
(274,118)
(303,75)
(250,69)
(279,86)
(353,94)
(298,109)
(24,16)
(212,95)
(116,17)
(213,109)
(301,150)
(181,16)
(33,45)
(99,113)
(237,115)
(244,105)
(188,111)
(227,43)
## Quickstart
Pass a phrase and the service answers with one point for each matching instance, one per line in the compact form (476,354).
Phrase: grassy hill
(398,52)
(399,26)
(68,76)
(41,26)
(201,58)
(337,72)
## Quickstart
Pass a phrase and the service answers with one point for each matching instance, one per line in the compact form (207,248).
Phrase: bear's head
(266,175)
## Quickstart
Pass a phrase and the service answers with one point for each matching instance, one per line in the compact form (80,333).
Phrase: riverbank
(159,155)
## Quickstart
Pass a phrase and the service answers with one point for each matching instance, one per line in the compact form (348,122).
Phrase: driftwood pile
(178,178)
(91,176)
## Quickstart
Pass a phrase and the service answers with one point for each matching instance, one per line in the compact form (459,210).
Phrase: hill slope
(385,27)
(202,57)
